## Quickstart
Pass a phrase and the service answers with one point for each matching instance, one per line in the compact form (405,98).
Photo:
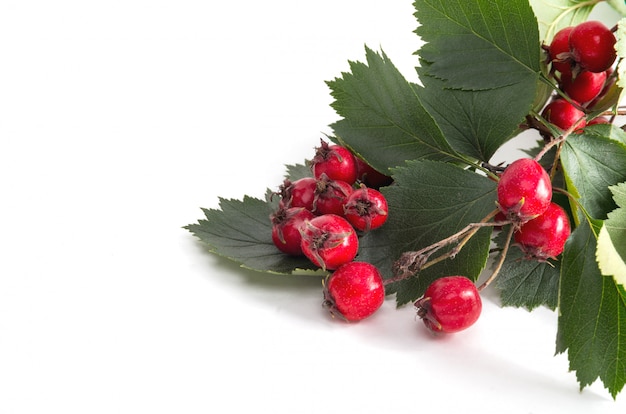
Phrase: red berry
(593,46)
(585,87)
(354,291)
(524,190)
(286,226)
(330,196)
(369,176)
(544,237)
(559,51)
(329,241)
(564,115)
(366,209)
(599,120)
(299,193)
(450,304)
(336,161)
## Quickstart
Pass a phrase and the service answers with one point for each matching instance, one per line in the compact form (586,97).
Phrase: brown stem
(505,250)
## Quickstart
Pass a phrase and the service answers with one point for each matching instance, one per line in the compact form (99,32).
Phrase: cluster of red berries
(322,216)
(581,59)
(525,198)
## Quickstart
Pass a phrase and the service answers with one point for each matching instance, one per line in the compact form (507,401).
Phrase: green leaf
(611,252)
(592,315)
(528,283)
(430,201)
(480,44)
(241,231)
(384,121)
(553,15)
(477,123)
(592,161)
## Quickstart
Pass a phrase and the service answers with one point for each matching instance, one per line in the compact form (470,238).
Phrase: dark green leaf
(528,283)
(480,44)
(616,223)
(592,315)
(477,123)
(429,202)
(241,231)
(384,121)
(593,161)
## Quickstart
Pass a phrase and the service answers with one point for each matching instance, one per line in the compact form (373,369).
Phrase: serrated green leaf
(479,44)
(241,231)
(384,121)
(528,283)
(592,161)
(296,171)
(553,15)
(430,201)
(592,315)
(611,251)
(477,123)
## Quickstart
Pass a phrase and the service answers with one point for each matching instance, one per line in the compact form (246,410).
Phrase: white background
(118,121)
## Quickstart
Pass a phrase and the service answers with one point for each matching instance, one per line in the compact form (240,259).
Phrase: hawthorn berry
(335,161)
(329,241)
(592,46)
(366,209)
(524,190)
(331,195)
(544,236)
(559,51)
(585,87)
(449,304)
(564,115)
(370,176)
(286,226)
(354,291)
(299,193)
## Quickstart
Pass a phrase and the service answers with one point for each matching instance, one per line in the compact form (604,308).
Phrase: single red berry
(585,87)
(335,161)
(329,241)
(564,115)
(592,45)
(544,236)
(330,196)
(370,176)
(354,291)
(450,304)
(299,193)
(599,120)
(286,226)
(559,51)
(524,190)
(366,209)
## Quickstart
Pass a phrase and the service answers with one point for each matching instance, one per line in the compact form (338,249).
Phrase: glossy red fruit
(592,46)
(335,161)
(299,193)
(286,226)
(559,51)
(366,209)
(354,291)
(329,241)
(450,304)
(585,86)
(330,196)
(564,115)
(524,190)
(544,237)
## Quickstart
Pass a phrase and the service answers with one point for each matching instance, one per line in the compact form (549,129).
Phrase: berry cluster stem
(411,263)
